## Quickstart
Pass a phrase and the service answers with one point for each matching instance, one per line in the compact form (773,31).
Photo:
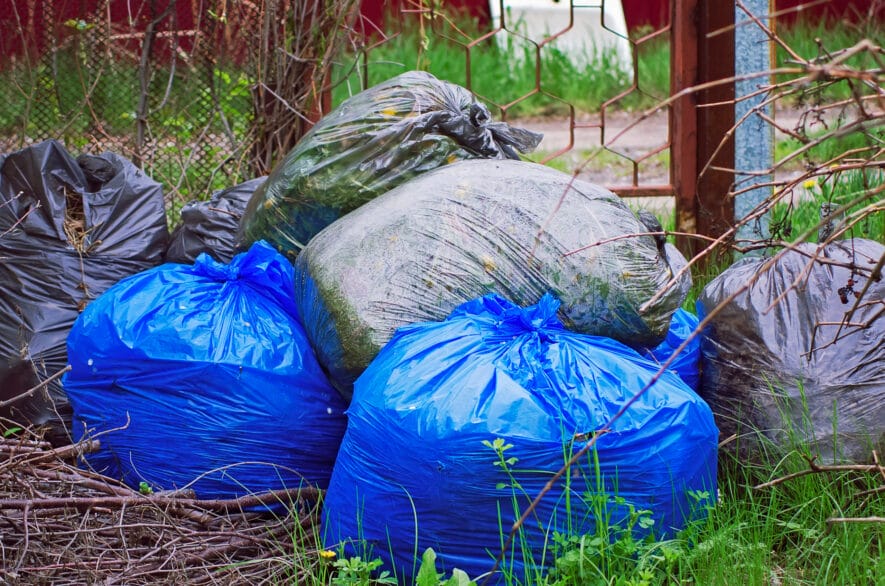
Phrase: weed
(428,576)
(355,571)
(864,219)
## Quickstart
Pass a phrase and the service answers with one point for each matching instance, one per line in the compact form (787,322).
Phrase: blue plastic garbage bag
(417,461)
(687,363)
(211,368)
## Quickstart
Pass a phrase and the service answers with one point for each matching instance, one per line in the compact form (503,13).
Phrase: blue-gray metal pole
(754,137)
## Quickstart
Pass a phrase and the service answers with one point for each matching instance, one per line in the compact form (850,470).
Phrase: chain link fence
(200,95)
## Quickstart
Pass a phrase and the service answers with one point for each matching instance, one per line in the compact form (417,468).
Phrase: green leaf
(427,575)
(11,431)
(459,578)
(385,578)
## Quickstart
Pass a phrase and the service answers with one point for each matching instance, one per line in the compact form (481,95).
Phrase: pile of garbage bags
(398,297)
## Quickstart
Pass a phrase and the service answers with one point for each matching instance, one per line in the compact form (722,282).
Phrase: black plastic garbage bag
(69,229)
(211,226)
(368,145)
(776,360)
(514,228)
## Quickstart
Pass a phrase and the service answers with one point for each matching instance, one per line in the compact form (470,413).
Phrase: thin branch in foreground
(175,539)
(36,388)
(237,504)
(814,468)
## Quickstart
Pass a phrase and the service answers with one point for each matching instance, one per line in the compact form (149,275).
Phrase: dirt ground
(623,136)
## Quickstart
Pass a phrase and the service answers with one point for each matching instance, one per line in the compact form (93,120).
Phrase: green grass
(791,221)
(762,536)
(824,147)
(825,39)
(443,51)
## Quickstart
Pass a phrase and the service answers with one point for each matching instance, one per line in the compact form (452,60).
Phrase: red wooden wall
(28,16)
(654,13)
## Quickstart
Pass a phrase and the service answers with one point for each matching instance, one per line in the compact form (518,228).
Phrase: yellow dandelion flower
(327,554)
(809,184)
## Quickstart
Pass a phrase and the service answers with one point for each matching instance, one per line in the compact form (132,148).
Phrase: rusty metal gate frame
(700,112)
(701,119)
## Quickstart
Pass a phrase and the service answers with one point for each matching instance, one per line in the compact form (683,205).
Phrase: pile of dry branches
(62,524)
(295,49)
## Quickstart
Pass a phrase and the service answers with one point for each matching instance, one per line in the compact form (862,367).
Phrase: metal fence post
(754,136)
(702,158)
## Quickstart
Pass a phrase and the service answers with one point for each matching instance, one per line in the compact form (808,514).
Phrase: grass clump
(823,39)
(559,81)
(856,192)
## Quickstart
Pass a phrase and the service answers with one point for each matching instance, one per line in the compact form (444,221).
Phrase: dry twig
(36,388)
(64,525)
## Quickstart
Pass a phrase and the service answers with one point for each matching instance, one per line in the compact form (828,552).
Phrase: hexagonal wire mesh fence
(570,70)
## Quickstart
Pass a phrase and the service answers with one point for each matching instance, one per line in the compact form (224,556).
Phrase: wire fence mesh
(144,86)
(203,96)
(196,94)
(570,70)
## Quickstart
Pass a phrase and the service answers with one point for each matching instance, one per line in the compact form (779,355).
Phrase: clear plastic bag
(513,228)
(368,145)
